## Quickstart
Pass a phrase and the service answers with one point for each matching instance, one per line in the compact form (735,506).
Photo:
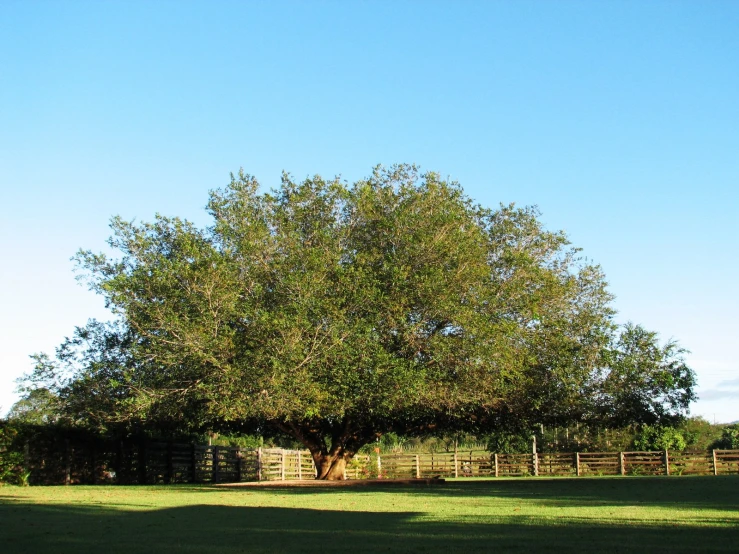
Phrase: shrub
(729,438)
(504,442)
(659,438)
(12,468)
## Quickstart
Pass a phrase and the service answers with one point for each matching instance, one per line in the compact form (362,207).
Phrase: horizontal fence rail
(62,462)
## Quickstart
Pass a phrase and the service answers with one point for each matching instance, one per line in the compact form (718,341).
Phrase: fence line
(152,463)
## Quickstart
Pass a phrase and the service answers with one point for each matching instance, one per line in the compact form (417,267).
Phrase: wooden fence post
(577,464)
(418,468)
(300,466)
(282,464)
(621,464)
(67,462)
(193,465)
(169,477)
(667,462)
(259,463)
(118,464)
(142,462)
(238,464)
(27,455)
(93,464)
(379,466)
(456,460)
(715,465)
(495,458)
(216,456)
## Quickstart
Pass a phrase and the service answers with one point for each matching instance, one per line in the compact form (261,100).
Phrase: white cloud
(717,394)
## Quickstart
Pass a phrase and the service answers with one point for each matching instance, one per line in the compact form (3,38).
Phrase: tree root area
(342,483)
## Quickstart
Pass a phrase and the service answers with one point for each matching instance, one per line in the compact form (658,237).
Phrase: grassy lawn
(643,514)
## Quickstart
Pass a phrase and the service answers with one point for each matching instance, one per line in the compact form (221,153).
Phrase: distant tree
(12,468)
(700,433)
(86,384)
(39,406)
(506,442)
(643,381)
(729,439)
(335,314)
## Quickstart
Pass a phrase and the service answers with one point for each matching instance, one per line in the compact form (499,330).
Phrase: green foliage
(659,438)
(392,443)
(729,439)
(87,383)
(12,470)
(612,439)
(39,406)
(359,467)
(509,443)
(347,312)
(644,382)
(699,433)
(243,441)
(337,313)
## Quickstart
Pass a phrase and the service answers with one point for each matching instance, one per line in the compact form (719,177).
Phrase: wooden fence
(486,464)
(64,462)
(155,463)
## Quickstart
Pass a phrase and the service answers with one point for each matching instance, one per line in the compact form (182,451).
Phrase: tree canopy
(336,313)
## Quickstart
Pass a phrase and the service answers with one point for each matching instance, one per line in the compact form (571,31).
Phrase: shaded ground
(523,515)
(350,483)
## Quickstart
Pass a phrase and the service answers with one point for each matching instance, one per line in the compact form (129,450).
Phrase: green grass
(644,514)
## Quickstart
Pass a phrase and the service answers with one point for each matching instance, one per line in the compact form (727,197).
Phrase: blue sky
(618,119)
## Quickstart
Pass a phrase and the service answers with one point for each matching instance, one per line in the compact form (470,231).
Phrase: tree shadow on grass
(700,492)
(35,528)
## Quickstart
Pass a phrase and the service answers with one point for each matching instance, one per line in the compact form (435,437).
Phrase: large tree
(335,313)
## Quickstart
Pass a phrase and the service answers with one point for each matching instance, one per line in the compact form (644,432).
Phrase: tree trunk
(329,468)
(345,440)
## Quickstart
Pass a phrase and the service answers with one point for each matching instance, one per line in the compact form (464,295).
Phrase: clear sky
(620,120)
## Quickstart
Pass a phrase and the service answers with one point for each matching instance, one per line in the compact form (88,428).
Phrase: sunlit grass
(685,514)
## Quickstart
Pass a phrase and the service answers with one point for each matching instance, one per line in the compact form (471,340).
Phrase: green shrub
(504,442)
(699,433)
(659,438)
(729,438)
(12,470)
